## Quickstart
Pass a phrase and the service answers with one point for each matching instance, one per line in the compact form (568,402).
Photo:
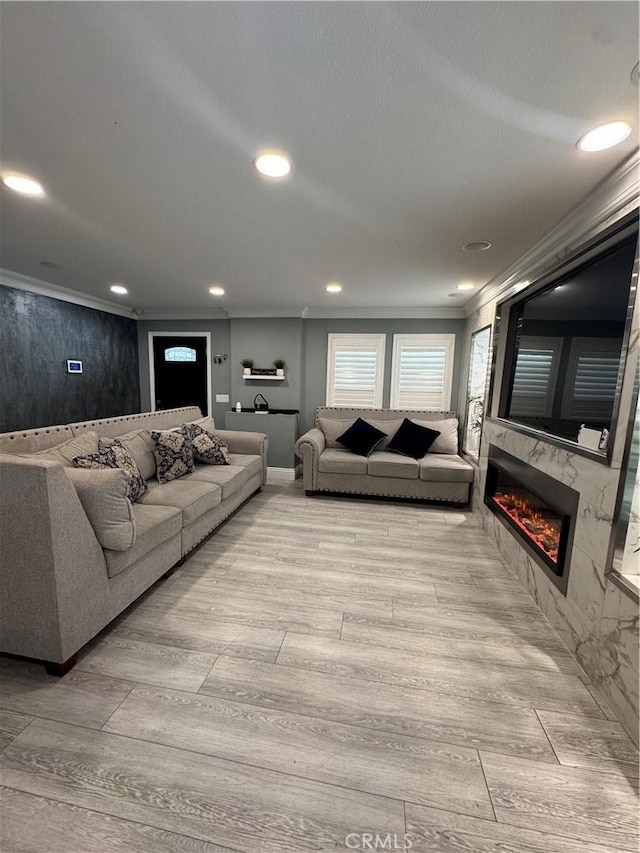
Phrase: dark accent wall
(37,336)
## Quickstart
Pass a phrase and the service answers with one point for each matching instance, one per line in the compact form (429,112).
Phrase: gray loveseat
(58,586)
(442,475)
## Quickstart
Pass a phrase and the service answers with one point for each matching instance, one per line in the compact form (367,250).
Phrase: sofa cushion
(337,460)
(383,463)
(230,478)
(361,437)
(140,446)
(440,468)
(192,498)
(107,458)
(251,461)
(154,525)
(207,447)
(173,452)
(103,495)
(65,452)
(447,441)
(412,439)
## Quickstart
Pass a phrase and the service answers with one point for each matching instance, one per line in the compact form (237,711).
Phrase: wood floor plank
(33,824)
(514,598)
(370,566)
(452,621)
(11,724)
(433,830)
(243,610)
(566,801)
(589,743)
(256,644)
(226,803)
(418,713)
(469,679)
(324,581)
(421,554)
(79,697)
(167,628)
(373,762)
(149,662)
(395,634)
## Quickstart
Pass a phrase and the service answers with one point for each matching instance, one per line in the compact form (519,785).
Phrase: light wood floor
(317,670)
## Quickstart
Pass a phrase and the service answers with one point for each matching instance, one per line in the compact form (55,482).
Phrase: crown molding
(383,313)
(613,198)
(184,314)
(65,294)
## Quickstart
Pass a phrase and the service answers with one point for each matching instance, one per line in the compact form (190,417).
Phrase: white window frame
(423,341)
(336,341)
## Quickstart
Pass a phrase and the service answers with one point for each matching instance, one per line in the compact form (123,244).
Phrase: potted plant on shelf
(247,364)
(279,365)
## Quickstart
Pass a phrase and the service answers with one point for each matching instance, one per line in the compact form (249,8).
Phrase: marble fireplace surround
(596,620)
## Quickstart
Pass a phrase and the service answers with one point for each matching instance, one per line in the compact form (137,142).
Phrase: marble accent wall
(596,620)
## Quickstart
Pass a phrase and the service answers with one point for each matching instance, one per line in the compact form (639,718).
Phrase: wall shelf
(270,378)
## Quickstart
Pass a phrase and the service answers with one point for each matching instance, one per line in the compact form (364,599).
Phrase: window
(179,354)
(593,378)
(422,371)
(477,389)
(535,376)
(355,367)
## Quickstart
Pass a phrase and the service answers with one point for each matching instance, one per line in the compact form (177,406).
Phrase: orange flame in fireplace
(544,532)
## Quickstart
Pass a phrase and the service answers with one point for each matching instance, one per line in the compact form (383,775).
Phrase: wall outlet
(222,398)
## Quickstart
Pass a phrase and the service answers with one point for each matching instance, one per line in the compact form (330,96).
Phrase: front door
(180,372)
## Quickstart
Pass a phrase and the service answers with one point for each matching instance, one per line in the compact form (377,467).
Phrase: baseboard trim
(283,473)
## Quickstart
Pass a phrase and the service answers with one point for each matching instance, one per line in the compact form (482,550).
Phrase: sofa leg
(60,669)
(309,493)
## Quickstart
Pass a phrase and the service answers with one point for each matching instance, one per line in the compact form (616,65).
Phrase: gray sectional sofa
(58,586)
(441,475)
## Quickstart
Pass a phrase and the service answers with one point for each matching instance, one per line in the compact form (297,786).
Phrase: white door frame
(152,373)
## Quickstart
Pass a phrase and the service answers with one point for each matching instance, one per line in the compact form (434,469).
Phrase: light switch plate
(222,398)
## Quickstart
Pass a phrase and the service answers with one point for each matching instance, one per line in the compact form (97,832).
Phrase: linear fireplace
(539,510)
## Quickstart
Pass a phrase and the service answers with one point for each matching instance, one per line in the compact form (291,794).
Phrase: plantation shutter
(422,371)
(593,377)
(535,376)
(355,370)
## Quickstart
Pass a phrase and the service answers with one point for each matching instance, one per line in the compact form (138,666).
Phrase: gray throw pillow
(207,447)
(103,495)
(174,454)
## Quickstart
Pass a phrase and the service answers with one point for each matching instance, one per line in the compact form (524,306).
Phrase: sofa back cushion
(64,453)
(103,495)
(140,446)
(447,441)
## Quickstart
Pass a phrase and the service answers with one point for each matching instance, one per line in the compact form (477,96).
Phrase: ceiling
(413,128)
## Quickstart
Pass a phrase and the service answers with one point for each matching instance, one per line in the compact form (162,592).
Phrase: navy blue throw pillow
(413,440)
(361,437)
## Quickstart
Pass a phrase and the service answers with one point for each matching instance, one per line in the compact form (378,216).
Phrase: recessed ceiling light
(272,164)
(118,288)
(605,136)
(22,184)
(477,246)
(466,285)
(333,287)
(216,290)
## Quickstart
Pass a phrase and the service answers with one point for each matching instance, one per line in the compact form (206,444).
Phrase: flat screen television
(564,348)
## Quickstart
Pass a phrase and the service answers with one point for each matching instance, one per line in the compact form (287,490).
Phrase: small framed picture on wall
(74,366)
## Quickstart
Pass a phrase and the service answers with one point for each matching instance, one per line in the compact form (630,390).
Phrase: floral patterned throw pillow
(125,460)
(174,454)
(207,447)
(107,458)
